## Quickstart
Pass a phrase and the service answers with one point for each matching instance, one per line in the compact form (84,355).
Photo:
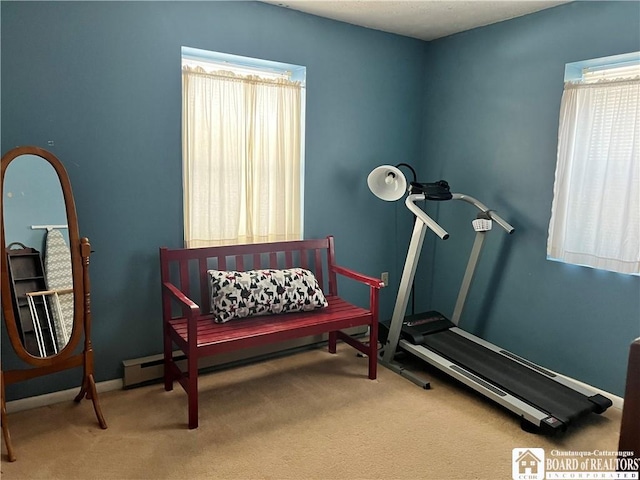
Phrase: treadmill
(545,401)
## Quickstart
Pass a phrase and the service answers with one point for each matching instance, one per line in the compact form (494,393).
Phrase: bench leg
(373,351)
(168,358)
(373,363)
(192,390)
(333,340)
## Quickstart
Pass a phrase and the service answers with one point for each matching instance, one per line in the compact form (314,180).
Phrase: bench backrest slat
(304,261)
(203,266)
(331,260)
(317,262)
(222,263)
(316,255)
(184,274)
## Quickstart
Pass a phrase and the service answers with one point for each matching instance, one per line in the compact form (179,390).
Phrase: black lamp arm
(415,178)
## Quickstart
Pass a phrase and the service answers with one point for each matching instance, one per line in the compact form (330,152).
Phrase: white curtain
(595,218)
(241,138)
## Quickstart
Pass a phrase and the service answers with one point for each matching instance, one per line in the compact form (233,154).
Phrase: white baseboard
(58,397)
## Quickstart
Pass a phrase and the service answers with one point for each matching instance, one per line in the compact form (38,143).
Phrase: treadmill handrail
(426,219)
(411,200)
(483,208)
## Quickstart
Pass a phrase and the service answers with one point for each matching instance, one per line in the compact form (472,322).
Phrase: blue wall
(102,80)
(491,127)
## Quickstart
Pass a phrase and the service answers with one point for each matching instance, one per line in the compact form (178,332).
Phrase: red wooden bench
(189,325)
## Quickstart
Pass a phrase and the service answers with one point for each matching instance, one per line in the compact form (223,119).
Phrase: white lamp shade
(387,183)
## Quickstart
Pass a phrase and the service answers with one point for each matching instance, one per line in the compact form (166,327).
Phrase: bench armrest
(375,284)
(371,281)
(189,307)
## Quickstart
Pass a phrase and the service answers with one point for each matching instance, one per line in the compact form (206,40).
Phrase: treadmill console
(437,191)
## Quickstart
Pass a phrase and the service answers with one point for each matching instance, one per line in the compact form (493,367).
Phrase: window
(243,141)
(595,217)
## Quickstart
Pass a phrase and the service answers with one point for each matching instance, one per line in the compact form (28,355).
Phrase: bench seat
(255,331)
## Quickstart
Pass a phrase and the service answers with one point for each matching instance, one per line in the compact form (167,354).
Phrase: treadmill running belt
(530,386)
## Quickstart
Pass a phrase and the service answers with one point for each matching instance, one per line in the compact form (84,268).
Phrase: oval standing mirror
(38,256)
(42,265)
(45,274)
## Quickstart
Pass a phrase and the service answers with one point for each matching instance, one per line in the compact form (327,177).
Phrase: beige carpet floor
(310,415)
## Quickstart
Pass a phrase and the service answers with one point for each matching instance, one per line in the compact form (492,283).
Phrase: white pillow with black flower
(237,294)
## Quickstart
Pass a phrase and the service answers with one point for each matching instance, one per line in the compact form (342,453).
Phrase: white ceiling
(423,19)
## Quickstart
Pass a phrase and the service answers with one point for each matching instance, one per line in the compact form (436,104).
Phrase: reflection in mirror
(38,255)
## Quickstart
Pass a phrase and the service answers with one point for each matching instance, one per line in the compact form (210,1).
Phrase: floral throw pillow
(263,292)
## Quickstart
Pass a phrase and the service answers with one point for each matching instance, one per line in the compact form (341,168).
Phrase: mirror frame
(76,263)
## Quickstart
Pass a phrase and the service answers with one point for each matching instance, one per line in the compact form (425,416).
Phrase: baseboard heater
(146,370)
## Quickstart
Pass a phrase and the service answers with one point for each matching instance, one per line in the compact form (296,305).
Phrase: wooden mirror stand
(68,356)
